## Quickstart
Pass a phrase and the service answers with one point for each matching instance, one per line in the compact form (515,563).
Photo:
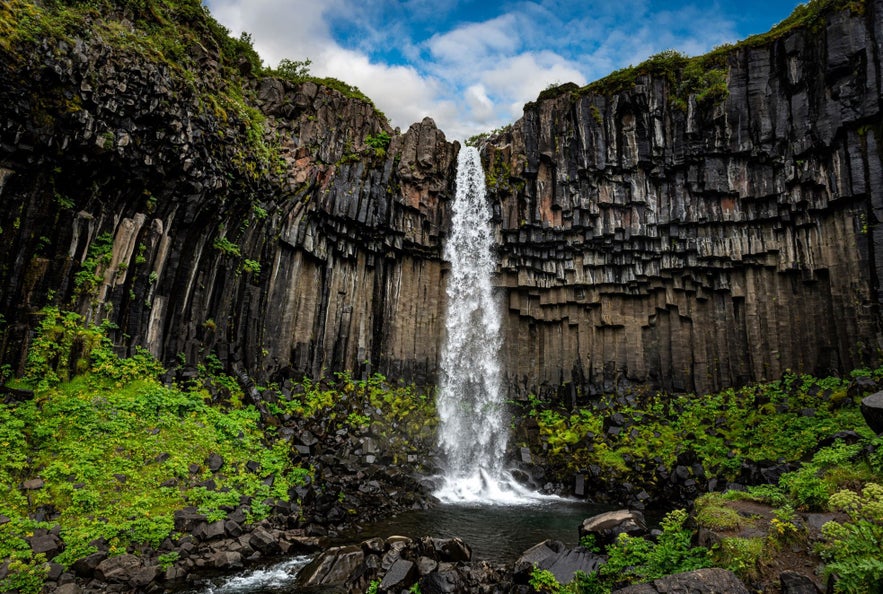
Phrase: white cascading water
(473,427)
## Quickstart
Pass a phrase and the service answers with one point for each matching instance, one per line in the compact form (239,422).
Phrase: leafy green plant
(251,266)
(544,581)
(227,247)
(742,556)
(379,142)
(166,560)
(635,559)
(852,549)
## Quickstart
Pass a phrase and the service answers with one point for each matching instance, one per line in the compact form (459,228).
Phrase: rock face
(640,240)
(323,256)
(705,246)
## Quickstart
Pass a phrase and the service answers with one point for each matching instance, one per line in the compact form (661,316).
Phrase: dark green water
(495,533)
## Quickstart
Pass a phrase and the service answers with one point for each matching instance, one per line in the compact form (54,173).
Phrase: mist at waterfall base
(473,429)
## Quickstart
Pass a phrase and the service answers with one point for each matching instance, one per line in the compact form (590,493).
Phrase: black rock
(872,411)
(214,462)
(118,569)
(564,565)
(797,583)
(85,567)
(401,575)
(441,582)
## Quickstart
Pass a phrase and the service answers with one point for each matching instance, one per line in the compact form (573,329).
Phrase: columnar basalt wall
(327,258)
(696,246)
(644,237)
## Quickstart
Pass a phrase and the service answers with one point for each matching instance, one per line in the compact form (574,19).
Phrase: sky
(471,65)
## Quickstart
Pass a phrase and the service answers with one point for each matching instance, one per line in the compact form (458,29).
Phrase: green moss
(713,513)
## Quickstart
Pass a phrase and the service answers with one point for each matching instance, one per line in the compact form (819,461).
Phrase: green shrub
(544,581)
(636,559)
(852,549)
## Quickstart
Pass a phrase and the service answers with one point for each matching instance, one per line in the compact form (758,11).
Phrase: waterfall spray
(473,430)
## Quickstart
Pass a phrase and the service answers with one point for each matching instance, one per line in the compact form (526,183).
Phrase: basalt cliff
(687,227)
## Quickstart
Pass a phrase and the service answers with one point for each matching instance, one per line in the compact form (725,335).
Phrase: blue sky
(472,64)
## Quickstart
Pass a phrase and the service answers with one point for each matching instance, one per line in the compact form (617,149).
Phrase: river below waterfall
(495,533)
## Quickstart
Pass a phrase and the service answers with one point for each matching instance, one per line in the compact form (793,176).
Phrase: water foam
(275,578)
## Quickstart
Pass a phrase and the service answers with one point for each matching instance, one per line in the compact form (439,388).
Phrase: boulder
(226,560)
(565,564)
(47,543)
(441,582)
(119,569)
(400,576)
(797,583)
(451,549)
(70,588)
(214,462)
(535,555)
(701,581)
(187,519)
(872,411)
(334,567)
(608,526)
(145,576)
(264,541)
(86,566)
(205,531)
(32,484)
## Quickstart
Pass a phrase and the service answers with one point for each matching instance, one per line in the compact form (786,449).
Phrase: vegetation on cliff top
(704,77)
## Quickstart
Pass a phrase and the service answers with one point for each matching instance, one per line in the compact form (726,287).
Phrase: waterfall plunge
(473,431)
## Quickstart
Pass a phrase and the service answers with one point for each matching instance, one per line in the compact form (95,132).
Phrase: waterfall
(473,427)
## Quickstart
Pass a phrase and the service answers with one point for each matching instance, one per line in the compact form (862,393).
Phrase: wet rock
(701,581)
(334,567)
(565,564)
(401,575)
(441,582)
(607,526)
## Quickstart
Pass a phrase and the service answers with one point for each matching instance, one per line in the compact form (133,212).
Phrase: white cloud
(475,76)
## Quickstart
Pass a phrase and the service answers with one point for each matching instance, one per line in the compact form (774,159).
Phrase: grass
(762,422)
(119,452)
